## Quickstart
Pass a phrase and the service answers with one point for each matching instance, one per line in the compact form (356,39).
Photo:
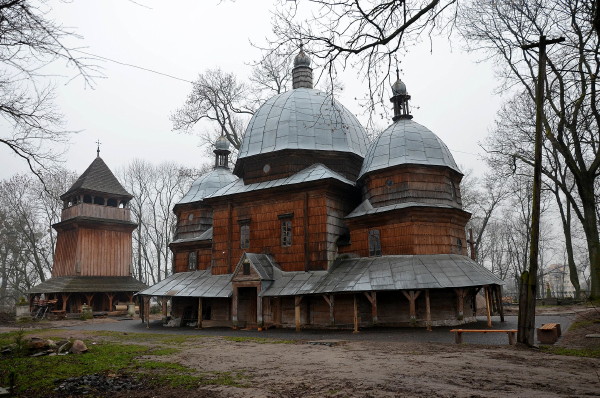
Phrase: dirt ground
(389,369)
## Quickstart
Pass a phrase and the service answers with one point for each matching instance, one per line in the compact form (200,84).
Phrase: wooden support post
(199,324)
(234,307)
(428,310)
(500,303)
(110,301)
(259,311)
(147,311)
(277,311)
(460,303)
(355,314)
(488,305)
(90,299)
(164,306)
(373,300)
(412,298)
(65,299)
(330,299)
(297,302)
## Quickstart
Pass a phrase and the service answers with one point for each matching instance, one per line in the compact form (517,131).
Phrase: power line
(134,66)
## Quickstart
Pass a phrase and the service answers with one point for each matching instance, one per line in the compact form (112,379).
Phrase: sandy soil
(387,369)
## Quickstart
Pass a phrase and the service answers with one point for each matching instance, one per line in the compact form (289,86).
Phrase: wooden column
(147,311)
(259,310)
(500,303)
(164,306)
(65,299)
(90,299)
(277,311)
(199,324)
(460,303)
(427,310)
(306,234)
(372,297)
(234,307)
(330,299)
(110,301)
(488,305)
(297,302)
(355,313)
(229,238)
(412,296)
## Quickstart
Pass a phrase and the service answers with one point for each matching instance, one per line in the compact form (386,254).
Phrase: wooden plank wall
(202,218)
(413,184)
(65,253)
(97,211)
(103,252)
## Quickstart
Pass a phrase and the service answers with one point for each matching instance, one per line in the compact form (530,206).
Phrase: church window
(246,267)
(192,260)
(374,243)
(286,233)
(244,236)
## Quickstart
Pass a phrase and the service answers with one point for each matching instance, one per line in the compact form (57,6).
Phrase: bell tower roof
(98,178)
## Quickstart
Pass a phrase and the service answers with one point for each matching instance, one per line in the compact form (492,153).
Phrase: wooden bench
(548,333)
(458,333)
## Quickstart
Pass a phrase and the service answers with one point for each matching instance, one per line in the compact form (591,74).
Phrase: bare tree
(571,104)
(219,98)
(28,42)
(364,34)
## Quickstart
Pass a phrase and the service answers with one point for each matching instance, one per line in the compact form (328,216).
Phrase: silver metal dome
(207,184)
(302,59)
(406,142)
(303,119)
(399,88)
(222,144)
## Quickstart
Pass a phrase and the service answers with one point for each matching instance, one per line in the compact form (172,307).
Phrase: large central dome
(303,118)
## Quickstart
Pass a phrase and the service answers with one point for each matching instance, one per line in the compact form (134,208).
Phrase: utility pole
(528,282)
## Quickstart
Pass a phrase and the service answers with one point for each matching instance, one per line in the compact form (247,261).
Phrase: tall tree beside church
(28,42)
(571,103)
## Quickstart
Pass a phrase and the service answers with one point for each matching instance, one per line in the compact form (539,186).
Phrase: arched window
(244,236)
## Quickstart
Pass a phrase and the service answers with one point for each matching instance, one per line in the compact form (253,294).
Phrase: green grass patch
(159,338)
(573,352)
(583,324)
(259,340)
(165,351)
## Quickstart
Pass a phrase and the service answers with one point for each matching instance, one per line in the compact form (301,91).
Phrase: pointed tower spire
(302,76)
(400,99)
(98,148)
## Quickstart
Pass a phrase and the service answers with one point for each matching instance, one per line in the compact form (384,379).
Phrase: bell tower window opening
(374,243)
(245,236)
(192,260)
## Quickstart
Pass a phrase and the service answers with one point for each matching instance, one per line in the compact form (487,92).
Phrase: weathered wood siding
(96,211)
(412,183)
(193,222)
(89,251)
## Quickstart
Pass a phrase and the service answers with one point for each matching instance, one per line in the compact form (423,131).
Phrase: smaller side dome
(222,144)
(207,184)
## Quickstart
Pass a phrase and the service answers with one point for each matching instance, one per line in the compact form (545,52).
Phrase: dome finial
(302,72)
(400,99)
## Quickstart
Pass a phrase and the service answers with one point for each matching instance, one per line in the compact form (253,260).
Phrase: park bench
(548,333)
(458,333)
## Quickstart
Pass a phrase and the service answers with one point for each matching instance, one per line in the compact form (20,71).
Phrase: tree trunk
(590,227)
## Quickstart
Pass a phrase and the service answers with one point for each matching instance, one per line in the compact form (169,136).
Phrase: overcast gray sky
(128,110)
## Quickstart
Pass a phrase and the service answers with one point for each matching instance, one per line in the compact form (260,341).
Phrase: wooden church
(318,227)
(93,255)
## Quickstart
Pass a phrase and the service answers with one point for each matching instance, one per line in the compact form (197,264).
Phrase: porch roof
(192,284)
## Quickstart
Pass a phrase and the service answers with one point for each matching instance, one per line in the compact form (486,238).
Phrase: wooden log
(199,323)
(297,302)
(427,310)
(460,303)
(164,306)
(488,305)
(500,304)
(110,301)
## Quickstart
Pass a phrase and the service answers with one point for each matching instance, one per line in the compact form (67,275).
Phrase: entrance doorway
(247,305)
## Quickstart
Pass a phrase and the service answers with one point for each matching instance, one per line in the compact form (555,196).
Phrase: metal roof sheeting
(406,142)
(207,184)
(303,118)
(88,284)
(315,172)
(408,272)
(366,208)
(206,235)
(192,284)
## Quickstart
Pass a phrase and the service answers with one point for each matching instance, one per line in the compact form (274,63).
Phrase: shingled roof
(98,178)
(89,284)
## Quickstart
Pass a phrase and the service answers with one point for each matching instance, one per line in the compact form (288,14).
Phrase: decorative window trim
(192,260)
(285,216)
